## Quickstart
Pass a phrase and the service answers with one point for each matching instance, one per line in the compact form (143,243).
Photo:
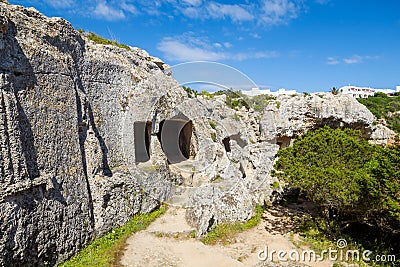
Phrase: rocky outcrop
(381,135)
(62,113)
(92,134)
(290,116)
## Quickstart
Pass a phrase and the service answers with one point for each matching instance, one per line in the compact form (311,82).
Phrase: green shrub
(206,94)
(355,185)
(234,99)
(384,107)
(190,92)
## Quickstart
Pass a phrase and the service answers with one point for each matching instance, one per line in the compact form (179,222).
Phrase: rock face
(290,116)
(92,134)
(382,135)
(62,113)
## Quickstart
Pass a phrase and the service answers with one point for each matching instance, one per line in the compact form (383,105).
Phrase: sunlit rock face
(91,135)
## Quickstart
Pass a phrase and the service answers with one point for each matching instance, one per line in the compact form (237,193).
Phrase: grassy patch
(212,124)
(384,107)
(225,232)
(104,251)
(312,235)
(214,137)
(151,168)
(100,40)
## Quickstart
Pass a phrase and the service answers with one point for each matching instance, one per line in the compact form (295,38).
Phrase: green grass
(213,137)
(104,250)
(212,124)
(206,94)
(100,40)
(384,107)
(190,92)
(225,232)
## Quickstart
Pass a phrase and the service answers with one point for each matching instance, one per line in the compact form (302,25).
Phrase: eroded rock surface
(62,114)
(92,134)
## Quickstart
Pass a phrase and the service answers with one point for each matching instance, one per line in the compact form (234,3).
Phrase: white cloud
(353,60)
(193,2)
(177,50)
(332,61)
(235,12)
(255,55)
(279,11)
(129,8)
(227,44)
(255,35)
(322,2)
(60,3)
(260,12)
(103,10)
(190,48)
(372,57)
(191,12)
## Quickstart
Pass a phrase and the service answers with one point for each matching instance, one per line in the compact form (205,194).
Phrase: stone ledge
(23,186)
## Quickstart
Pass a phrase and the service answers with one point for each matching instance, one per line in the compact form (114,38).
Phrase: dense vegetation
(100,40)
(384,107)
(104,250)
(354,184)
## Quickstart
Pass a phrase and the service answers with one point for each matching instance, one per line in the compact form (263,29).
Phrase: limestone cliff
(92,134)
(62,110)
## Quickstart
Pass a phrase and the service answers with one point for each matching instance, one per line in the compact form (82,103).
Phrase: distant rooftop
(257,91)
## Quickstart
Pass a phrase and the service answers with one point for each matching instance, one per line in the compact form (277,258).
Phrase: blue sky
(307,45)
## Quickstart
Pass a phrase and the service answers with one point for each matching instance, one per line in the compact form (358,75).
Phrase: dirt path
(167,242)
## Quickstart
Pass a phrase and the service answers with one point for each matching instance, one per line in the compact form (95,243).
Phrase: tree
(329,165)
(382,190)
(334,91)
(343,174)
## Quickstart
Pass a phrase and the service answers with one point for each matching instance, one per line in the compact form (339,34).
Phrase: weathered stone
(62,173)
(290,116)
(71,114)
(381,135)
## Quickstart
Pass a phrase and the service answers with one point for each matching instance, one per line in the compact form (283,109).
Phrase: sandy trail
(166,242)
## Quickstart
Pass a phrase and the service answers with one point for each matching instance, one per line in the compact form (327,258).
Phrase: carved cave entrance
(174,135)
(142,136)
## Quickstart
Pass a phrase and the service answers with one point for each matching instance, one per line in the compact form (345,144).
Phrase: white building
(257,91)
(364,92)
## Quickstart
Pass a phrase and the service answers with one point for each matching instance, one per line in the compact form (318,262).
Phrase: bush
(190,92)
(384,107)
(354,184)
(346,177)
(234,99)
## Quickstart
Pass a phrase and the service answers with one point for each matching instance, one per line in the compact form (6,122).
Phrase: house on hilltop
(364,92)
